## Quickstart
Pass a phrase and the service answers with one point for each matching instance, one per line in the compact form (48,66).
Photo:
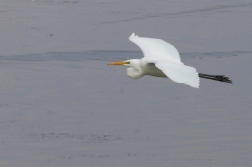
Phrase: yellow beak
(119,63)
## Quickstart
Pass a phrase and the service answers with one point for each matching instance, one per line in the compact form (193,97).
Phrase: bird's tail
(221,78)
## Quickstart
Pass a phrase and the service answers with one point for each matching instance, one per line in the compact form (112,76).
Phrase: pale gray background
(61,105)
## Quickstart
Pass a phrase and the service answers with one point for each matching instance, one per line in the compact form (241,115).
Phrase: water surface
(61,105)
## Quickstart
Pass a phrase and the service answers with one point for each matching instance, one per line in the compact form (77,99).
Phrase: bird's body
(161,59)
(141,68)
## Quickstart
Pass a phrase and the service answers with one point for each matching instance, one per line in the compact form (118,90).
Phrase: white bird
(162,59)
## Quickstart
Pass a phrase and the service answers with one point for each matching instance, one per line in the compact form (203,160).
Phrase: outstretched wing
(166,58)
(155,48)
(178,72)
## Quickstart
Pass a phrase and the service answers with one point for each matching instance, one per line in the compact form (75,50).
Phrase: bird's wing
(178,72)
(155,48)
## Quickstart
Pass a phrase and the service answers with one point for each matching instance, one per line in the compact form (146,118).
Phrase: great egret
(162,59)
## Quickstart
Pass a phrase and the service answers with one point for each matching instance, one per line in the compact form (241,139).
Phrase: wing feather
(156,48)
(179,73)
(166,58)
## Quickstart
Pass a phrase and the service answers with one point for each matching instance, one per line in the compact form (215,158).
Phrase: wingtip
(133,35)
(195,86)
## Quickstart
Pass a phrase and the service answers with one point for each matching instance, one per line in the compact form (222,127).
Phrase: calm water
(61,105)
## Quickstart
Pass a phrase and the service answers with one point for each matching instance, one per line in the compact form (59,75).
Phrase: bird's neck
(135,71)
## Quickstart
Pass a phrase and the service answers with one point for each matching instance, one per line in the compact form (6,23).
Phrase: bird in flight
(162,59)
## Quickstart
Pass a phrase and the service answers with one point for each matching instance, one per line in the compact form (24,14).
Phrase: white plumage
(161,59)
(155,48)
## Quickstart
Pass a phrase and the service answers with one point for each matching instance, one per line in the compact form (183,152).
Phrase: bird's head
(134,71)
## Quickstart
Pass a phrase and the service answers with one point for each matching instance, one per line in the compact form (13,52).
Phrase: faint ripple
(86,138)
(207,10)
(110,55)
